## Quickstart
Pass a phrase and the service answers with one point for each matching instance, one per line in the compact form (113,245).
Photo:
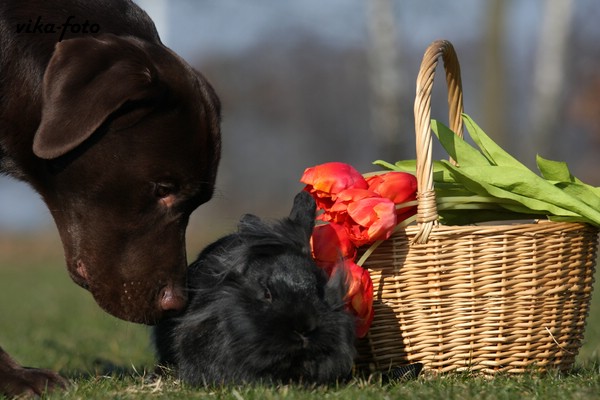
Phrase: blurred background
(309,81)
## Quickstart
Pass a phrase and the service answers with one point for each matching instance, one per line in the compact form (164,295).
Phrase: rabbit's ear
(303,212)
(251,226)
(337,287)
(249,219)
(259,238)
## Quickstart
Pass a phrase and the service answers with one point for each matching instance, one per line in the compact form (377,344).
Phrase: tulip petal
(375,217)
(399,187)
(330,244)
(333,177)
(360,296)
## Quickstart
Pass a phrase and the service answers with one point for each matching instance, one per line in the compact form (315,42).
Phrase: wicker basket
(491,298)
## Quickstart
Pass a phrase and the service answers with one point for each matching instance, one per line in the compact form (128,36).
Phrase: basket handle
(427,215)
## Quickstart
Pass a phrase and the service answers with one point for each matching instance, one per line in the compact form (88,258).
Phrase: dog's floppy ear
(86,80)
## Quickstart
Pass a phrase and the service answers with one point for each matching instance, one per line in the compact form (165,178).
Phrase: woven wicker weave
(491,298)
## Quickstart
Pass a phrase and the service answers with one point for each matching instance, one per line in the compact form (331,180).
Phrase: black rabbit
(261,310)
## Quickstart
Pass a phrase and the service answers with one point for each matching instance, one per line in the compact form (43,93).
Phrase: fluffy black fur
(261,310)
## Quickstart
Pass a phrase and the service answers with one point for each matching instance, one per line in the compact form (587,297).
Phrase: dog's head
(131,142)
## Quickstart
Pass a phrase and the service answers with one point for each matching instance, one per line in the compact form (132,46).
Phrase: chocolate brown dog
(119,136)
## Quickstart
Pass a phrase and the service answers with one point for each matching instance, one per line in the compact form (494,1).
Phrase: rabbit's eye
(267,295)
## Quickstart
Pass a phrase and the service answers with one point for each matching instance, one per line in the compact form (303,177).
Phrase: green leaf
(457,147)
(494,153)
(583,192)
(491,172)
(406,165)
(386,165)
(440,172)
(554,170)
(559,171)
(443,189)
(528,189)
(464,217)
(562,218)
(484,182)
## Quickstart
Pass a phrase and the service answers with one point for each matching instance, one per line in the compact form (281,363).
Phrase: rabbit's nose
(303,338)
(305,330)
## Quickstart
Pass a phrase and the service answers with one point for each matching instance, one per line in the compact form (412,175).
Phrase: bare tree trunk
(388,128)
(549,74)
(494,79)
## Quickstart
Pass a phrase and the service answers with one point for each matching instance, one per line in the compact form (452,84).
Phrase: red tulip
(359,212)
(325,181)
(399,187)
(331,245)
(332,249)
(359,299)
(370,219)
(338,212)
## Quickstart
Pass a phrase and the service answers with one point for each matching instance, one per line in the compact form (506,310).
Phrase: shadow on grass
(585,367)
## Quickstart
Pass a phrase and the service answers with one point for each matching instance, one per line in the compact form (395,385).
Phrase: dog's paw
(22,381)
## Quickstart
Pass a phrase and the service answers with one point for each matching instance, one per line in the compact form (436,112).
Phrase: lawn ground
(47,321)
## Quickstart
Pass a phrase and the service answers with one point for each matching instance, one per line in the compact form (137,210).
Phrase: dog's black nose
(172,298)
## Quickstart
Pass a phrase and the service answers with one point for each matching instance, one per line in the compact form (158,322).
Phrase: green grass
(47,321)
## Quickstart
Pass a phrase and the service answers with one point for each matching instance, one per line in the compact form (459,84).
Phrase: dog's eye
(164,189)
